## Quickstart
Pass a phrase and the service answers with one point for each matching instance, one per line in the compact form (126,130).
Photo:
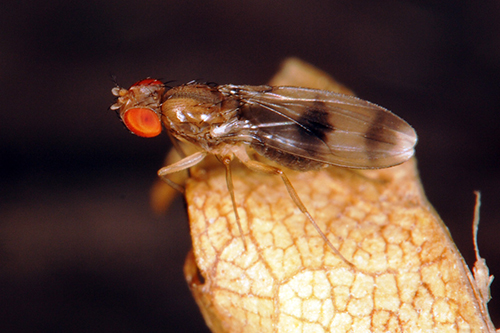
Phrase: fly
(298,128)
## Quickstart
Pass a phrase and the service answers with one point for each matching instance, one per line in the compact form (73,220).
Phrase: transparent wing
(325,127)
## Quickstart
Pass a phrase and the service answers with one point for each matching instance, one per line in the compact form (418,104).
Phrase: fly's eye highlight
(142,122)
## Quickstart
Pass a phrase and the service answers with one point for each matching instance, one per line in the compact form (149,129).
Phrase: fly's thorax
(194,112)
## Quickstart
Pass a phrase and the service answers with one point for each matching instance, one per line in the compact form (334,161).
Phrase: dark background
(80,250)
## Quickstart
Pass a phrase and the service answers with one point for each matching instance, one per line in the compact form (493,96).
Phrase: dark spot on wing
(289,142)
(378,134)
(314,124)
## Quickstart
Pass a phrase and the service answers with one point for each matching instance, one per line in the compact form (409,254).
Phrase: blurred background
(80,249)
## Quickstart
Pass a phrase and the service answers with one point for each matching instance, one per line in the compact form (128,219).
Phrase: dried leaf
(408,274)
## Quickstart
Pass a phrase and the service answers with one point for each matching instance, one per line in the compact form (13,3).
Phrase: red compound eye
(142,122)
(147,82)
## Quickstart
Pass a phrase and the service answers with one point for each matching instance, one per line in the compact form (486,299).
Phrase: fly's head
(139,107)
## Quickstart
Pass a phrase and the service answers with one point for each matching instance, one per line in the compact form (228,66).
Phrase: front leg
(183,164)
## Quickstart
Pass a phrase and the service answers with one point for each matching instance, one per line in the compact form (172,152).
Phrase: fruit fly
(297,128)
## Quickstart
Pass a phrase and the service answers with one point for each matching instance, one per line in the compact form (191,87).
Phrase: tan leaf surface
(408,275)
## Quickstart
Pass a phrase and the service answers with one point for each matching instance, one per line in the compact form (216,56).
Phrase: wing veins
(274,108)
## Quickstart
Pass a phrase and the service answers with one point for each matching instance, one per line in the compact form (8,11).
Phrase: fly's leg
(192,160)
(229,181)
(176,145)
(182,154)
(183,164)
(264,168)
